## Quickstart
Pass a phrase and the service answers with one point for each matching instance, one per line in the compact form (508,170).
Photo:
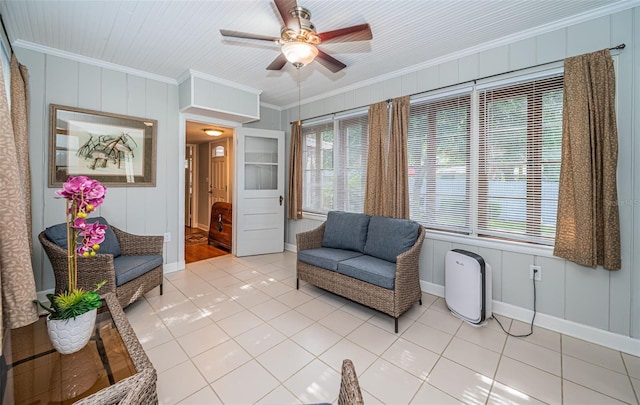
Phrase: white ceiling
(166,38)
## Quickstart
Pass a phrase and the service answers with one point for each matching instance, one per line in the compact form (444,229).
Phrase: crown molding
(509,39)
(92,61)
(271,106)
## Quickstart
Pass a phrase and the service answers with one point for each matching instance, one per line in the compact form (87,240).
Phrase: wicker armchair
(350,393)
(101,267)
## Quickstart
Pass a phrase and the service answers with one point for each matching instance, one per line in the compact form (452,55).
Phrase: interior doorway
(208,180)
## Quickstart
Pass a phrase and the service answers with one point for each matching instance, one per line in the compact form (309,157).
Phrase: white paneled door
(259,210)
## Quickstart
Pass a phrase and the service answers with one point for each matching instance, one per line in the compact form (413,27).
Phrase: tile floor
(236,331)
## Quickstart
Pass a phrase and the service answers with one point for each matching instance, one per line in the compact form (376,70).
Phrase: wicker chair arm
(407,265)
(350,393)
(138,245)
(310,239)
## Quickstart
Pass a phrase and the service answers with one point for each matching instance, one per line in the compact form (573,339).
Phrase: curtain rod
(618,47)
(6,34)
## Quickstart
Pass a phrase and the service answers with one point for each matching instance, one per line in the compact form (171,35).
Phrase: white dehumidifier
(467,286)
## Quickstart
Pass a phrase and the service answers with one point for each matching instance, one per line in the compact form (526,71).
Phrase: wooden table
(112,365)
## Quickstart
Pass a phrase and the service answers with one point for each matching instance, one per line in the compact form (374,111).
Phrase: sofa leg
(420,301)
(297,283)
(161,288)
(396,319)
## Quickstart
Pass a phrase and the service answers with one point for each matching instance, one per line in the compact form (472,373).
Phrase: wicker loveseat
(131,264)
(368,259)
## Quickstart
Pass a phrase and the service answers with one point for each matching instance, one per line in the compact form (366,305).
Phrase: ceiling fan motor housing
(307,32)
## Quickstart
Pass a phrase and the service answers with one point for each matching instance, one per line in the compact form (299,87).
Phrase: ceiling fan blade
(284,6)
(278,63)
(360,32)
(330,62)
(238,34)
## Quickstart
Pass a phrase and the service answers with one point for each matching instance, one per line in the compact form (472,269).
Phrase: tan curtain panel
(378,136)
(16,274)
(588,227)
(19,118)
(396,187)
(294,199)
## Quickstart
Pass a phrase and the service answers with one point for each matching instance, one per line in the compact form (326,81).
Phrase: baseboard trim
(172,267)
(608,339)
(42,295)
(290,247)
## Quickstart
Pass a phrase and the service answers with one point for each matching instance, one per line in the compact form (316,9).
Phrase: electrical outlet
(537,270)
(167,237)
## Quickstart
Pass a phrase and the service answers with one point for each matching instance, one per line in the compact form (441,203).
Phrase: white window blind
(334,164)
(439,162)
(519,160)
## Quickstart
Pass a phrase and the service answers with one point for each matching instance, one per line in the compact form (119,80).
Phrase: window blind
(520,141)
(335,164)
(439,162)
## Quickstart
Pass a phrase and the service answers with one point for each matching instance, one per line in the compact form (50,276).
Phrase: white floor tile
(470,355)
(259,339)
(534,355)
(180,325)
(592,353)
(427,337)
(411,357)
(245,385)
(270,309)
(166,356)
(541,336)
(389,383)
(633,365)
(482,336)
(372,338)
(460,382)
(202,340)
(279,396)
(430,395)
(316,382)
(440,320)
(294,298)
(316,338)
(178,383)
(223,310)
(296,358)
(597,378)
(290,323)
(504,395)
(222,359)
(315,309)
(530,380)
(239,323)
(574,394)
(204,396)
(341,322)
(345,349)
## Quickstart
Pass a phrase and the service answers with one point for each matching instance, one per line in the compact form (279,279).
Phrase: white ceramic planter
(70,335)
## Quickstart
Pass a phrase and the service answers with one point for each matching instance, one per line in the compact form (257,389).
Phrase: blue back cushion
(389,237)
(58,235)
(345,230)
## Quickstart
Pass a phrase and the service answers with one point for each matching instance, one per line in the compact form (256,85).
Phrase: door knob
(281,200)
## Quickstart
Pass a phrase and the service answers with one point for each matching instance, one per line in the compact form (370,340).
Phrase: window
(438,155)
(334,164)
(499,180)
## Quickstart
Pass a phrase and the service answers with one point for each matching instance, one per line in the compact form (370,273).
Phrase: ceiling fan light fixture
(299,53)
(213,132)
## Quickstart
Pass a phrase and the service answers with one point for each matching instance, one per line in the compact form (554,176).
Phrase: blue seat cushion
(58,235)
(371,270)
(389,237)
(345,230)
(129,267)
(327,258)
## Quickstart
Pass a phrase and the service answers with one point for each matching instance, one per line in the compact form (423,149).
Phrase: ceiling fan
(299,38)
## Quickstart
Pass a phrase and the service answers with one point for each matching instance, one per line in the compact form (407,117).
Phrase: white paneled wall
(608,301)
(140,210)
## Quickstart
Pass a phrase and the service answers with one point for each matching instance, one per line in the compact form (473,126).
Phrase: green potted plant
(73,311)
